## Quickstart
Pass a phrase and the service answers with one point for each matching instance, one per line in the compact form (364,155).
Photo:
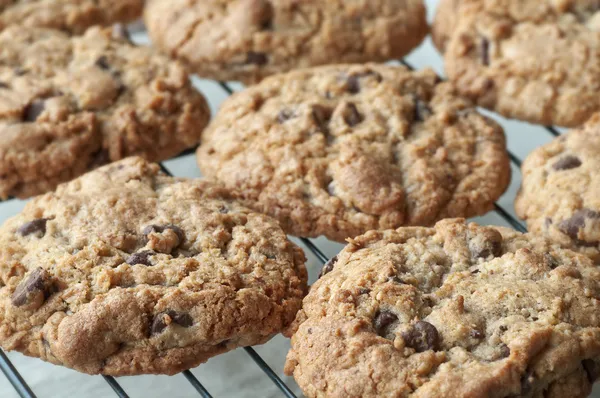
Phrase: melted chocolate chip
(572,225)
(142,258)
(476,334)
(422,336)
(223,209)
(120,32)
(353,85)
(35,284)
(102,63)
(3,85)
(567,163)
(364,290)
(256,58)
(484,246)
(328,267)
(504,351)
(162,228)
(382,321)
(552,261)
(34,110)
(162,320)
(284,115)
(527,381)
(592,369)
(99,158)
(422,110)
(351,115)
(19,71)
(266,14)
(321,116)
(485,51)
(37,227)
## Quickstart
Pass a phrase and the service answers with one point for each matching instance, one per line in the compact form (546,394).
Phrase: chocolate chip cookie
(532,60)
(340,150)
(457,310)
(126,271)
(248,40)
(73,16)
(559,194)
(70,104)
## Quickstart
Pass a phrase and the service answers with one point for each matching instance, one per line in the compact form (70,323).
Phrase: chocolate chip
(142,258)
(422,336)
(503,328)
(328,267)
(353,85)
(396,279)
(223,210)
(34,110)
(31,288)
(162,228)
(552,261)
(266,14)
(256,58)
(364,290)
(504,351)
(592,369)
(285,115)
(486,245)
(321,115)
(572,225)
(485,51)
(527,381)
(37,227)
(19,71)
(567,163)
(422,110)
(476,334)
(162,320)
(351,115)
(382,321)
(120,32)
(99,158)
(3,85)
(102,63)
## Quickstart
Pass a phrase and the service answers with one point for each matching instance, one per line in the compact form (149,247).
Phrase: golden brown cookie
(126,271)
(248,40)
(69,104)
(73,16)
(457,310)
(534,60)
(560,193)
(340,150)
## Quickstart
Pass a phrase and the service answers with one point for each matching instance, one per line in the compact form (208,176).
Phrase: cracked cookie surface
(73,16)
(533,60)
(340,150)
(70,104)
(127,271)
(457,310)
(248,40)
(559,196)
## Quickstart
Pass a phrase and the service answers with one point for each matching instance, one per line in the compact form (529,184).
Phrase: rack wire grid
(246,372)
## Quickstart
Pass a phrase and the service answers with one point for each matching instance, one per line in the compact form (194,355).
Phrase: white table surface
(235,374)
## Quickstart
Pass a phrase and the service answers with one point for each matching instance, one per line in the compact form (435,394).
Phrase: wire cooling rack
(318,251)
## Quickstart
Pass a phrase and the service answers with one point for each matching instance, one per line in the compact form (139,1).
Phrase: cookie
(444,24)
(73,16)
(127,271)
(340,150)
(248,40)
(457,310)
(531,60)
(70,104)
(559,196)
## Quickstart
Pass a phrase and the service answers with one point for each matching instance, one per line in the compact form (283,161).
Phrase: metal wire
(116,387)
(269,372)
(196,384)
(14,377)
